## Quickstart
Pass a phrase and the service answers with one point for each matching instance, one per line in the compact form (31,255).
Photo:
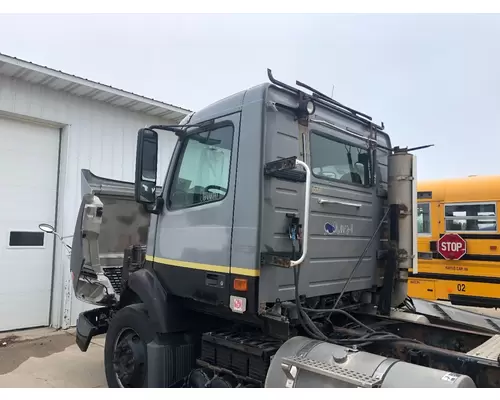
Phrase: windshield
(202,172)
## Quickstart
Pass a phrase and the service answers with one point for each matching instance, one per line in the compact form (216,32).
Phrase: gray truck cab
(278,240)
(220,219)
(220,227)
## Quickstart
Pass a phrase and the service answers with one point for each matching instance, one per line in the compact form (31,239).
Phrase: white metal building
(51,126)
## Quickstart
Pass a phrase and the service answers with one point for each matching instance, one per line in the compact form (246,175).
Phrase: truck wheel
(125,351)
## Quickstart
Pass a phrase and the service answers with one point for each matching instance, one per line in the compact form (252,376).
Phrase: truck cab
(285,219)
(219,232)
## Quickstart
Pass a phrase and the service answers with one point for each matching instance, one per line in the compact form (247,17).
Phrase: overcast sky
(429,78)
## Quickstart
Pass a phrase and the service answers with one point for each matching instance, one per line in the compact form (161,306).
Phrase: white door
(29,156)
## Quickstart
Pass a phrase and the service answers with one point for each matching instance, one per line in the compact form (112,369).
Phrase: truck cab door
(344,212)
(192,252)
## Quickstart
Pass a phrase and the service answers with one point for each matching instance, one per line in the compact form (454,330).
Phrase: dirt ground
(49,358)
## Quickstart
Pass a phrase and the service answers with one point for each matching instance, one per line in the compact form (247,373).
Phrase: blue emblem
(330,228)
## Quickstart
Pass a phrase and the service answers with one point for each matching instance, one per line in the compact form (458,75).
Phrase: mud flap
(89,324)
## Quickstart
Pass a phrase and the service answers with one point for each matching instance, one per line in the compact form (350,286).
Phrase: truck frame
(275,254)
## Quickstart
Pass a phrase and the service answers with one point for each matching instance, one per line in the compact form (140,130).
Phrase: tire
(125,348)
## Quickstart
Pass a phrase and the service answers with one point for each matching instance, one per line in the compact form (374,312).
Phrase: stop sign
(452,246)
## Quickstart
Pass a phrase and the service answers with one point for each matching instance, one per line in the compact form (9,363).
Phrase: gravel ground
(48,358)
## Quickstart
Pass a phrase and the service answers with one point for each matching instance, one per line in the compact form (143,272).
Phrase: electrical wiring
(339,311)
(408,303)
(312,329)
(360,260)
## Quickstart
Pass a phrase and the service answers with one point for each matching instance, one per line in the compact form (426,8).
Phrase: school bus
(467,207)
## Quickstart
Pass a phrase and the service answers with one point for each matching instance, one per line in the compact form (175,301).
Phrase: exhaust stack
(402,196)
(402,253)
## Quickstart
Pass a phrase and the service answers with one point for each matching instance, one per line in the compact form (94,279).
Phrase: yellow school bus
(467,207)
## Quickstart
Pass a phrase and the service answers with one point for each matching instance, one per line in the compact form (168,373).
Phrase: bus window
(423,219)
(477,217)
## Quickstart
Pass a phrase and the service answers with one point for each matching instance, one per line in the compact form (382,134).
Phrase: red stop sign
(452,246)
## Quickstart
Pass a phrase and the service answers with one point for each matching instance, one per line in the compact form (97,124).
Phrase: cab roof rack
(326,101)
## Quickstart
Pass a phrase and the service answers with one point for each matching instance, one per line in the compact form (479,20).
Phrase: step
(329,370)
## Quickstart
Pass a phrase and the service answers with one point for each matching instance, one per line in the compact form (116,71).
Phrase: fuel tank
(306,363)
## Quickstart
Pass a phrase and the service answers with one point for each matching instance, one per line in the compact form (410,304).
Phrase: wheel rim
(129,359)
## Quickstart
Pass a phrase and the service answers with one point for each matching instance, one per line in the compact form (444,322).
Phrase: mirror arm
(156,207)
(179,130)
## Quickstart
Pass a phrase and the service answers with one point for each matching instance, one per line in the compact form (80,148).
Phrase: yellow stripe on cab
(205,267)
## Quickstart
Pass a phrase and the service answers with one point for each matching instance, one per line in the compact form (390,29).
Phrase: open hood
(109,220)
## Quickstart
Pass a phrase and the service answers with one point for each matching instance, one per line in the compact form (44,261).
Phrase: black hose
(364,341)
(297,298)
(409,304)
(310,327)
(306,323)
(339,311)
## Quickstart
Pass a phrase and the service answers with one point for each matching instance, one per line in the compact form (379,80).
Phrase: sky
(432,79)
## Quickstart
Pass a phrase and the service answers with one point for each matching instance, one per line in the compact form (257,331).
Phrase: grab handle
(342,203)
(305,227)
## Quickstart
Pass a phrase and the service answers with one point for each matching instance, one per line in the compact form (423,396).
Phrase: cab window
(423,219)
(202,172)
(477,217)
(332,159)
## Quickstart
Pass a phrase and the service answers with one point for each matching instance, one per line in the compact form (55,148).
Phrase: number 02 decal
(461,287)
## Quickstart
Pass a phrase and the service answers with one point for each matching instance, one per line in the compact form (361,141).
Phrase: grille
(114,274)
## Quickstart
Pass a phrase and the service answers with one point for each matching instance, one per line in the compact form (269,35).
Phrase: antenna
(333,88)
(398,149)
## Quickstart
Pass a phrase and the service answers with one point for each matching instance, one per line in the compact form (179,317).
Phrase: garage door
(28,179)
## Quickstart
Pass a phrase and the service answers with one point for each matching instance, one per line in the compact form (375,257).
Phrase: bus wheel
(125,349)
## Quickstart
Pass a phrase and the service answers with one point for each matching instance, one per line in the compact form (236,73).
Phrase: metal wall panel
(96,136)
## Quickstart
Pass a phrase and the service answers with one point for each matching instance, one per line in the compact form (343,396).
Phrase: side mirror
(146,166)
(46,228)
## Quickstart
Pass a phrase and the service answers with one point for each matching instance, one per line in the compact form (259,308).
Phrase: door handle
(342,203)
(215,280)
